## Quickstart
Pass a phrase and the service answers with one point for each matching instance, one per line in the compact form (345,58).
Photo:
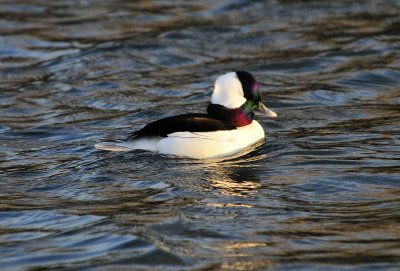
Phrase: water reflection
(234,181)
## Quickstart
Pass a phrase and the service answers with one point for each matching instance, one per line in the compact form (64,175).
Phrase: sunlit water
(321,192)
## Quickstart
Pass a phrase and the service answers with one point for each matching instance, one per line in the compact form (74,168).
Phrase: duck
(227,128)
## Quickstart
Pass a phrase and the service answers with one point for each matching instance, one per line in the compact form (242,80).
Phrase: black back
(182,123)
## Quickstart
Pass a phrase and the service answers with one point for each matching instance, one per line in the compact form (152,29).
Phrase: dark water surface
(322,192)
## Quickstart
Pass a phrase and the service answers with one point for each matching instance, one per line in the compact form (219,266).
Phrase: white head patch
(228,91)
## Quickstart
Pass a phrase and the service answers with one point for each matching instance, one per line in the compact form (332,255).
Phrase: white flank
(202,145)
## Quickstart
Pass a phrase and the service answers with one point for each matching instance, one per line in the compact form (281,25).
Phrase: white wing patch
(216,136)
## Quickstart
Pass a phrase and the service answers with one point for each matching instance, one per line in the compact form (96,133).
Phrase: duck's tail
(148,144)
(114,146)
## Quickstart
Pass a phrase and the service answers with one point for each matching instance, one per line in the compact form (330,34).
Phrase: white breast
(201,145)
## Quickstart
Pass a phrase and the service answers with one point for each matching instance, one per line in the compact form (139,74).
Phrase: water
(322,192)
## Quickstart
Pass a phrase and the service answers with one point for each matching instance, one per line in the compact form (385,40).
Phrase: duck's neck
(237,117)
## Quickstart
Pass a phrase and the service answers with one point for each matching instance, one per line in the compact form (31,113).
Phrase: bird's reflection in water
(235,176)
(235,181)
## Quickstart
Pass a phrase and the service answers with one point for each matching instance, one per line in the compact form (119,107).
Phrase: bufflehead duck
(226,129)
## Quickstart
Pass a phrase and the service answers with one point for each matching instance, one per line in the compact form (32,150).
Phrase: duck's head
(240,93)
